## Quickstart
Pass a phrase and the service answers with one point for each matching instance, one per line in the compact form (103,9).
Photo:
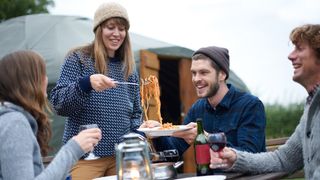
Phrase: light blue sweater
(20,156)
(301,150)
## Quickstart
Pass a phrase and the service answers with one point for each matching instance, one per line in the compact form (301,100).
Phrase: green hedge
(282,120)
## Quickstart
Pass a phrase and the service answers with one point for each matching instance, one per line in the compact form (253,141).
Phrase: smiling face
(205,78)
(306,65)
(113,35)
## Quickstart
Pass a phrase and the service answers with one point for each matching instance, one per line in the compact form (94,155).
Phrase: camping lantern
(132,156)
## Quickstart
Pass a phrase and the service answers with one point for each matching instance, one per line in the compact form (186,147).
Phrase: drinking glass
(91,155)
(171,155)
(217,141)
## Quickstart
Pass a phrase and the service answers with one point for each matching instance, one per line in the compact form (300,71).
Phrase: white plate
(156,131)
(107,178)
(210,177)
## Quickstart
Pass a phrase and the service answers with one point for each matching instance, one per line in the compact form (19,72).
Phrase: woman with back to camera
(88,91)
(24,124)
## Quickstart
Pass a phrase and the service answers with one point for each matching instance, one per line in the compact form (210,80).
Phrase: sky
(256,33)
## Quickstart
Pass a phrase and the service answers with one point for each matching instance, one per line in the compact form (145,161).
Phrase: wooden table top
(241,176)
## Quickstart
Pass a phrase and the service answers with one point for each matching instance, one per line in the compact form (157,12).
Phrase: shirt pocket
(227,127)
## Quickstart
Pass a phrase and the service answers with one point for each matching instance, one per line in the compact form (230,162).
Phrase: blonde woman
(88,92)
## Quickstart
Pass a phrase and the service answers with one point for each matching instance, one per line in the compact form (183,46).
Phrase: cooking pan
(166,170)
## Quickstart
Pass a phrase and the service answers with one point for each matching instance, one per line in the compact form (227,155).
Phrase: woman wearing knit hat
(88,91)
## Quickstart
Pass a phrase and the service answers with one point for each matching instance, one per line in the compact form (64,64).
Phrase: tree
(14,8)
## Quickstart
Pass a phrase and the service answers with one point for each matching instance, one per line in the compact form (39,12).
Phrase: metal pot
(165,170)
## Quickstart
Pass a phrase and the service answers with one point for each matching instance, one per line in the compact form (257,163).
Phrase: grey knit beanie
(218,54)
(109,10)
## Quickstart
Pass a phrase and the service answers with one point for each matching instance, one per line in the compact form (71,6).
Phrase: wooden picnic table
(241,176)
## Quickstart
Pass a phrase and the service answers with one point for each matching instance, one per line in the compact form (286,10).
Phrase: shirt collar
(226,100)
(312,93)
(114,59)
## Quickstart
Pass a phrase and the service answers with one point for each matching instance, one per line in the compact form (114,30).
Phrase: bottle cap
(199,119)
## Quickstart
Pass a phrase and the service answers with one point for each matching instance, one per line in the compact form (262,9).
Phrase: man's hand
(222,159)
(188,135)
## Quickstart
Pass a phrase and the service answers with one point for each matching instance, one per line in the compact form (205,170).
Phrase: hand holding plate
(189,134)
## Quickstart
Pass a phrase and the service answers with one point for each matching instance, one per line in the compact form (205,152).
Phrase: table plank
(241,176)
(266,176)
(230,175)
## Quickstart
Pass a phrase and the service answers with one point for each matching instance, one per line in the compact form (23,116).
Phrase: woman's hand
(88,138)
(188,135)
(222,159)
(100,82)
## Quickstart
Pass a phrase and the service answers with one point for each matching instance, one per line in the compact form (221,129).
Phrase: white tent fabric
(53,36)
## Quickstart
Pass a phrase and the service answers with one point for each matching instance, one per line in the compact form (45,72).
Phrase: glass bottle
(201,149)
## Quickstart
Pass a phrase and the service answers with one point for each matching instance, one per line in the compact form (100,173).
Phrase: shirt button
(308,134)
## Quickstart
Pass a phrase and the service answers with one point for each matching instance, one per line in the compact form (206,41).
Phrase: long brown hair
(99,53)
(22,76)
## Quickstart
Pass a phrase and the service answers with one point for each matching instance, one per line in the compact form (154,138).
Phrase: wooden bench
(273,144)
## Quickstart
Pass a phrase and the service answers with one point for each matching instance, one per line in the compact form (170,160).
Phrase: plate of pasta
(163,131)
(150,90)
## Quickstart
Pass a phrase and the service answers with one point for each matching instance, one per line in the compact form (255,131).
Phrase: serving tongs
(130,83)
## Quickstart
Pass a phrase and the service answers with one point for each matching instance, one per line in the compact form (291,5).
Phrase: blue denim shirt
(240,115)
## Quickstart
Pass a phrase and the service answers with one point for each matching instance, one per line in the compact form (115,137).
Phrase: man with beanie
(221,106)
